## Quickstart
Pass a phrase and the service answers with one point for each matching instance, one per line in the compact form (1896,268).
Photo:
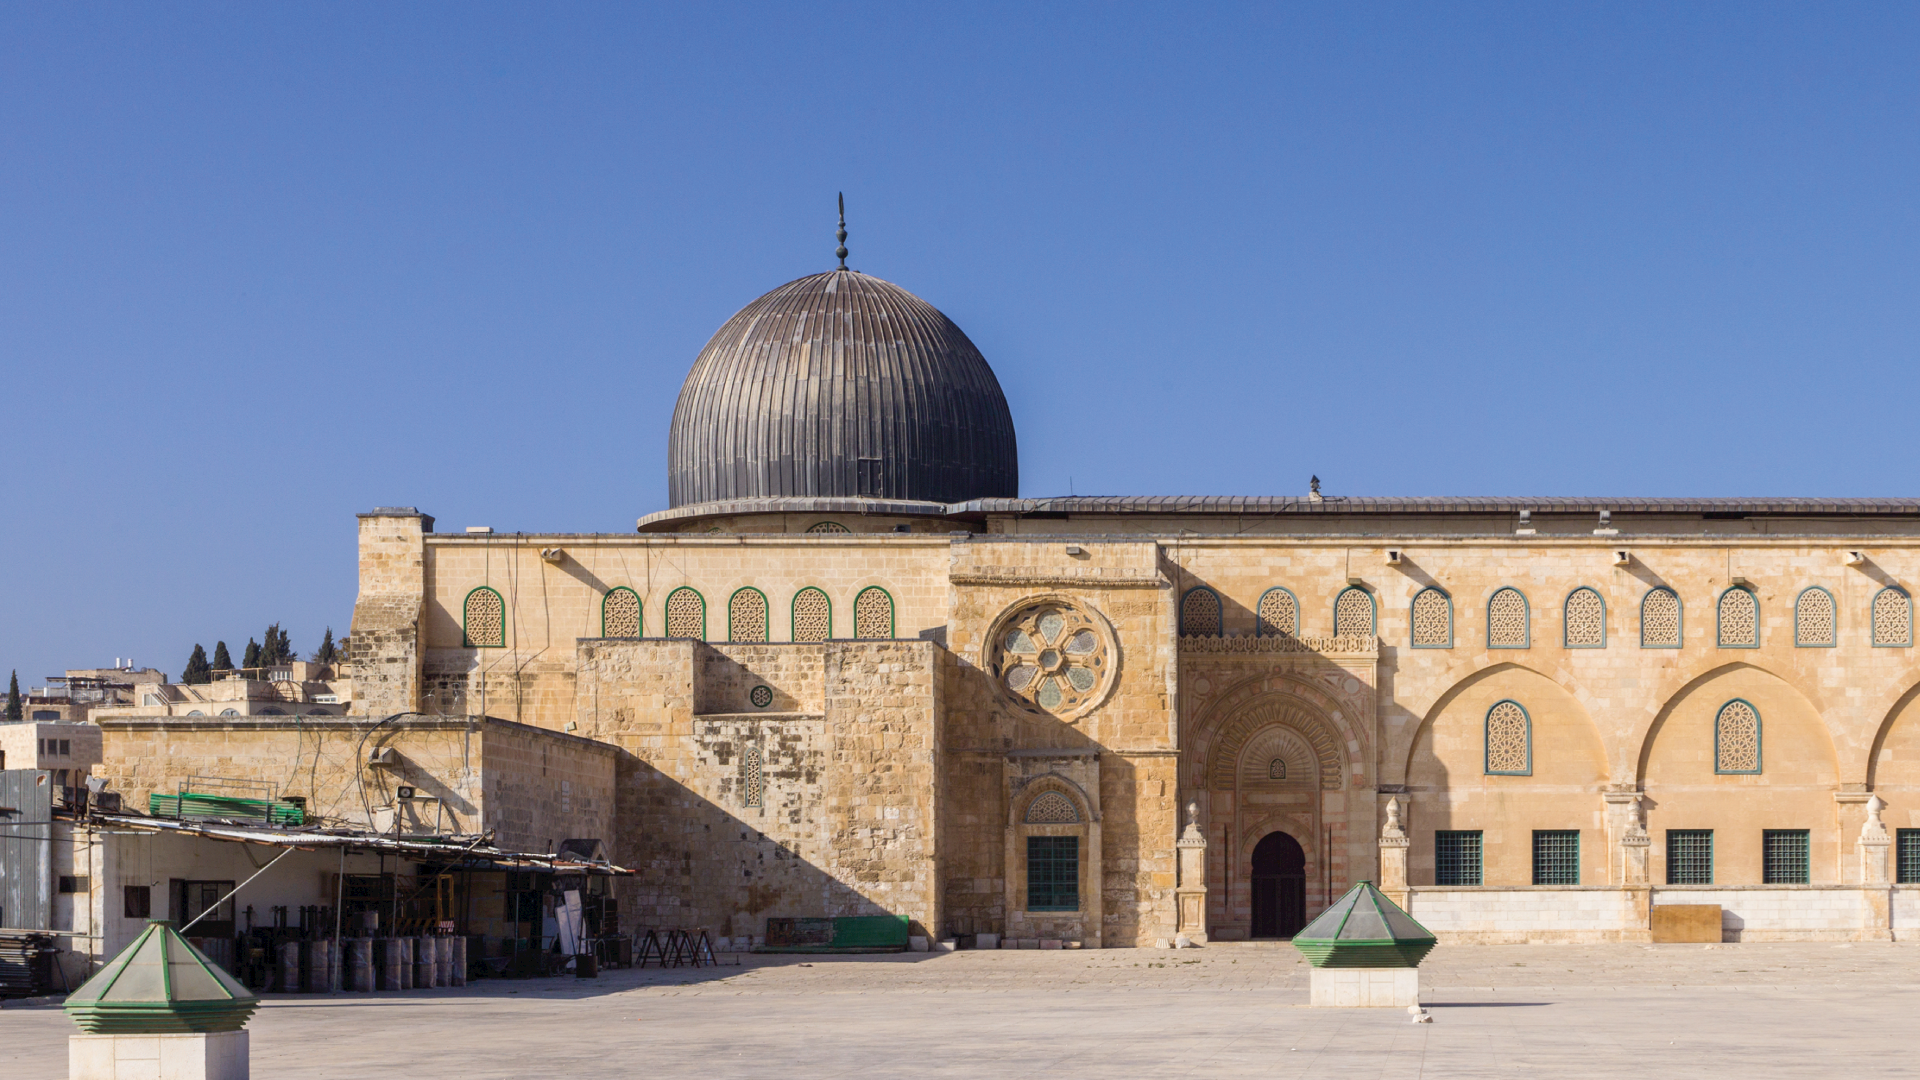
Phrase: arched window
(686,614)
(1736,738)
(1353,613)
(1200,613)
(1739,619)
(1814,622)
(1660,619)
(873,614)
(1052,808)
(483,620)
(1892,617)
(620,613)
(1509,740)
(828,527)
(747,615)
(812,615)
(1277,769)
(1586,621)
(1432,618)
(753,781)
(1278,613)
(1507,620)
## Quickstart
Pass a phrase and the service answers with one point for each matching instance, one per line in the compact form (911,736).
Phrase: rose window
(1052,656)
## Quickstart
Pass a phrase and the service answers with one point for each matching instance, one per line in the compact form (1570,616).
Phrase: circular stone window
(1052,654)
(761,696)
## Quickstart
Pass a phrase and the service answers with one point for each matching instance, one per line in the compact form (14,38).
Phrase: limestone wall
(538,785)
(736,816)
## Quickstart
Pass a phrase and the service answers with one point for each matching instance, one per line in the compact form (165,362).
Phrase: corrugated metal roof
(840,384)
(465,849)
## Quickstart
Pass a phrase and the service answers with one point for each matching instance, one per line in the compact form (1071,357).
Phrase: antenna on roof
(841,251)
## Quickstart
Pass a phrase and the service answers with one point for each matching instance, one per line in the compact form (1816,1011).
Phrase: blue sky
(263,266)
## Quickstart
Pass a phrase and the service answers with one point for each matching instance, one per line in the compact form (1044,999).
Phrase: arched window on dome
(620,613)
(1353,613)
(686,614)
(832,527)
(873,614)
(812,615)
(1278,614)
(1432,616)
(1200,613)
(747,615)
(1815,621)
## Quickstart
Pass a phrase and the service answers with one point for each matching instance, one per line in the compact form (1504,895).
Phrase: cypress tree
(198,670)
(283,648)
(221,661)
(13,697)
(327,653)
(251,657)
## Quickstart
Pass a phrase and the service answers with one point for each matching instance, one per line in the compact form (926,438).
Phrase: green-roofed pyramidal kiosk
(160,1011)
(1365,951)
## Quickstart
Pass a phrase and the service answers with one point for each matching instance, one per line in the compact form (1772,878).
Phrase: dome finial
(841,251)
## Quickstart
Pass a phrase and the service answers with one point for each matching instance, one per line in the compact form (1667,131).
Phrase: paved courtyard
(1749,1010)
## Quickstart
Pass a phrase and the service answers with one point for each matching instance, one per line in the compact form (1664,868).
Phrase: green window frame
(893,615)
(1800,638)
(1720,619)
(1556,856)
(1906,856)
(793,612)
(1786,857)
(1053,873)
(1689,856)
(1373,613)
(1679,619)
(466,614)
(639,608)
(1194,609)
(1458,857)
(1413,619)
(763,631)
(666,612)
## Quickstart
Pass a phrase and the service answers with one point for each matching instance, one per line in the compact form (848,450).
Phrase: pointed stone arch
(1224,760)
(1244,709)
(1671,698)
(1401,764)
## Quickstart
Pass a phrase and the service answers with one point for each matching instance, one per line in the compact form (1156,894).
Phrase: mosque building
(849,671)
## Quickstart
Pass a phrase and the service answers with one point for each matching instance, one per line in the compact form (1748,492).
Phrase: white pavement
(1750,1010)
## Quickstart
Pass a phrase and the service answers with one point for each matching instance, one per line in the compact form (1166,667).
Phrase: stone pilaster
(1191,894)
(1393,856)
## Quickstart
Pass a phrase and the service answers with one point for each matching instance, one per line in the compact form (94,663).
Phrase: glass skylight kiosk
(1365,951)
(160,1011)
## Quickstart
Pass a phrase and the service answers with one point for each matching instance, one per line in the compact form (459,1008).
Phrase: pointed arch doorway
(1279,883)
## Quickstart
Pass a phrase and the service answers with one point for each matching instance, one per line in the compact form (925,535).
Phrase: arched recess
(1793,790)
(1262,720)
(1035,831)
(1450,787)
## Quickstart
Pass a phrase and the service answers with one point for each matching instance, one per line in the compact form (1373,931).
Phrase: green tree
(326,653)
(276,649)
(251,657)
(221,660)
(198,670)
(13,697)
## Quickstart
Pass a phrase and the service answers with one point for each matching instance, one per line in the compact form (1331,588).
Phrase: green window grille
(1053,873)
(1785,858)
(1689,856)
(1907,857)
(1456,857)
(1556,856)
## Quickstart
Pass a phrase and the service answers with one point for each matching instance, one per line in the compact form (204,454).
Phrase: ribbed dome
(840,384)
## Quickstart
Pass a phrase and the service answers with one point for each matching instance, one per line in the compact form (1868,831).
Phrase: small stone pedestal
(213,1055)
(1366,988)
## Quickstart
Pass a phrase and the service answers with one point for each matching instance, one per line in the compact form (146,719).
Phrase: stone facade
(1500,675)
